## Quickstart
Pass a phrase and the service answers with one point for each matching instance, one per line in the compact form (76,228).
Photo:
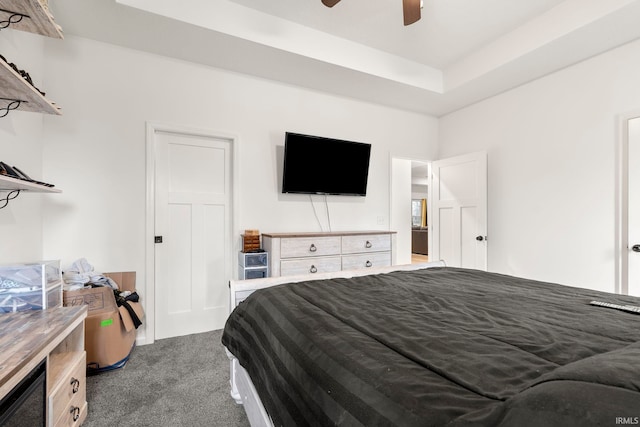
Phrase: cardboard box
(109,333)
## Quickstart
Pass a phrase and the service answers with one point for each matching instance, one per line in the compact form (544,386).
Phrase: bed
(432,346)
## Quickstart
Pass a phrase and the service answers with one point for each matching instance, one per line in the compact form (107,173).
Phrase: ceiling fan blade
(330,3)
(411,11)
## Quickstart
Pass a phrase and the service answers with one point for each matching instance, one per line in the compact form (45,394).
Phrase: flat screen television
(317,165)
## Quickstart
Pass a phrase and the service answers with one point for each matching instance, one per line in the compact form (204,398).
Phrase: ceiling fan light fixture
(411,11)
(330,3)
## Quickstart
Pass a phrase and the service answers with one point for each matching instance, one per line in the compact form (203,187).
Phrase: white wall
(95,152)
(552,168)
(21,146)
(419,191)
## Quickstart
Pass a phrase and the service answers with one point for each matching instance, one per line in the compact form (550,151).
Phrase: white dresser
(308,253)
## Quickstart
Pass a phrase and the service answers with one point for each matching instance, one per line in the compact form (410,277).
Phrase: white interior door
(633,189)
(459,211)
(193,216)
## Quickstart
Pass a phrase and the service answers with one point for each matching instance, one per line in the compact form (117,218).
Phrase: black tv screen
(317,165)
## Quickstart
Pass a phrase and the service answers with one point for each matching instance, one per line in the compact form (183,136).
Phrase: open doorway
(456,205)
(404,173)
(419,212)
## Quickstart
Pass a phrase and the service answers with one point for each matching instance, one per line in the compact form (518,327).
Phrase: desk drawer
(366,243)
(70,388)
(75,413)
(297,247)
(291,267)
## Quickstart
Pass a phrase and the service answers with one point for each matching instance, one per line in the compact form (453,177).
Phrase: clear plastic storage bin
(253,265)
(30,286)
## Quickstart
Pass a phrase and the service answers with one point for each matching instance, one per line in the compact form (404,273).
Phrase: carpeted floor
(182,381)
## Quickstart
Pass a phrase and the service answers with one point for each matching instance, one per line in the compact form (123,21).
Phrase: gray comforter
(436,347)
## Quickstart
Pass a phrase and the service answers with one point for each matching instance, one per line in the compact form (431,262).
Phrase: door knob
(479,238)
(635,248)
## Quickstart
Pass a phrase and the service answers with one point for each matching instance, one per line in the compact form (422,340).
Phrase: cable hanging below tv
(318,165)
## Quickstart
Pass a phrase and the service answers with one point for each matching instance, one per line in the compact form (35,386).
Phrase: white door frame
(149,292)
(622,203)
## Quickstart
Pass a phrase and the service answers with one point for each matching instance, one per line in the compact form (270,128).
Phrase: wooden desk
(57,336)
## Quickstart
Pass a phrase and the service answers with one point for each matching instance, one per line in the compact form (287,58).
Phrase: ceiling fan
(410,9)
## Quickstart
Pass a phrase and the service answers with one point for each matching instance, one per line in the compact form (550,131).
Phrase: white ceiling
(448,30)
(460,52)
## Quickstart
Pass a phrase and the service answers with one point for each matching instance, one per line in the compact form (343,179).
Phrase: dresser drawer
(376,259)
(366,243)
(291,267)
(70,388)
(297,247)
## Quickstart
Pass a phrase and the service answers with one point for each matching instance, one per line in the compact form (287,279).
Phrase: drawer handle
(368,244)
(312,248)
(368,264)
(75,384)
(76,413)
(313,269)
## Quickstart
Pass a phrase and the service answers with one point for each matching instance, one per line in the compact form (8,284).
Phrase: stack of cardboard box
(109,335)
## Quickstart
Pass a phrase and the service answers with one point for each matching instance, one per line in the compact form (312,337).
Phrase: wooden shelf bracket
(29,15)
(12,104)
(4,201)
(14,18)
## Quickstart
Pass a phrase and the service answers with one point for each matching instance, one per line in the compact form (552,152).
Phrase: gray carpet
(181,381)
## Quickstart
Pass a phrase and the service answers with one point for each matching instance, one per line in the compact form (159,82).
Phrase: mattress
(437,347)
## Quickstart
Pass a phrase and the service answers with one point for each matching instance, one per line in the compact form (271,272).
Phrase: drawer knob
(313,269)
(368,264)
(75,384)
(76,413)
(312,248)
(368,244)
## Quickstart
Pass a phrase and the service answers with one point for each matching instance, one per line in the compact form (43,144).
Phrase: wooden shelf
(37,18)
(14,87)
(33,17)
(9,184)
